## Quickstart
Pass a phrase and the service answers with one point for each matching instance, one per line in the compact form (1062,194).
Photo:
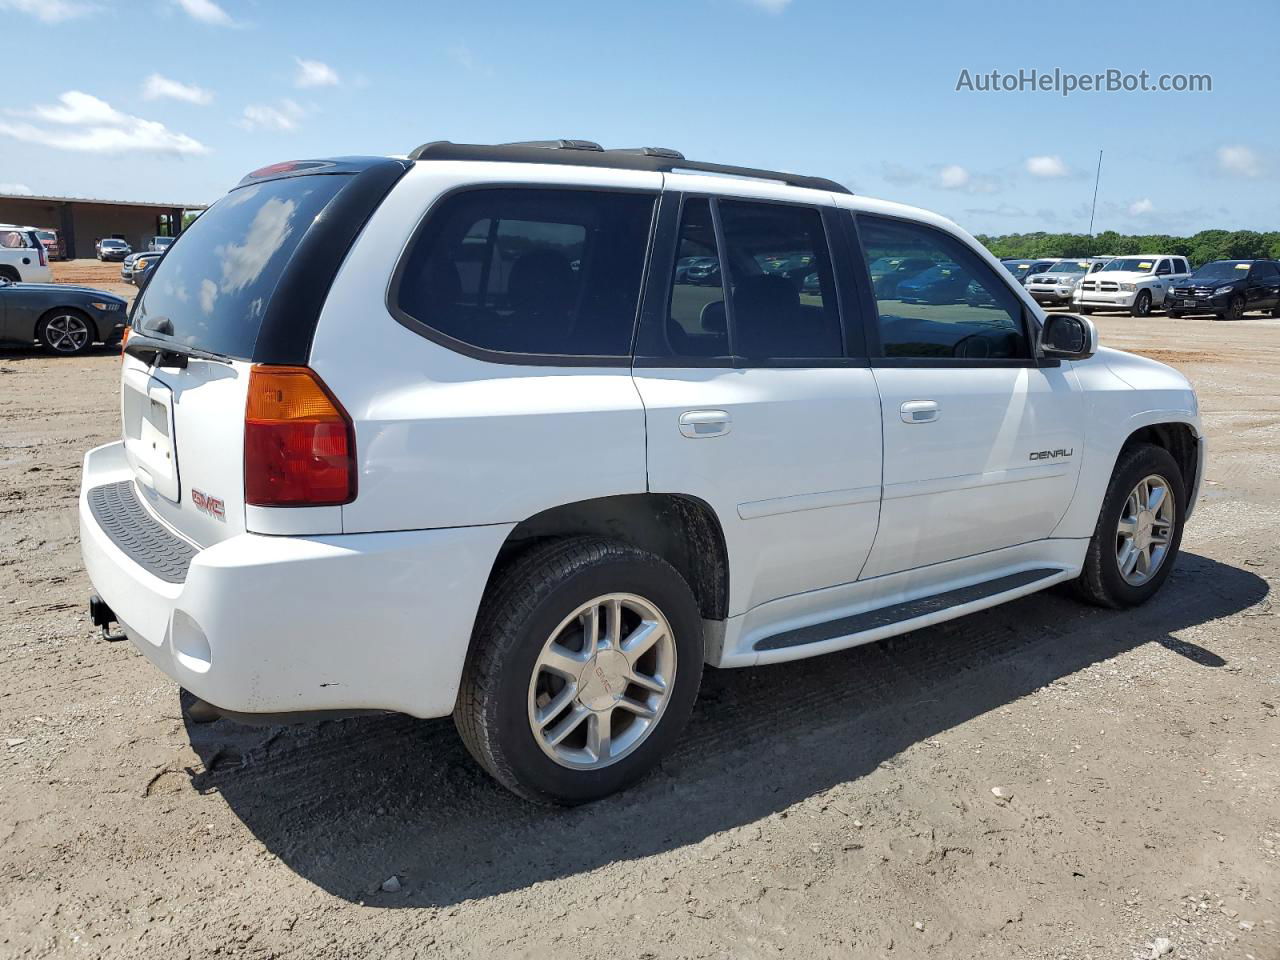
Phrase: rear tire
(9,273)
(1141,304)
(533,637)
(1104,581)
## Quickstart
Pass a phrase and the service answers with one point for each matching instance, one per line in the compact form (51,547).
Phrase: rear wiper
(167,353)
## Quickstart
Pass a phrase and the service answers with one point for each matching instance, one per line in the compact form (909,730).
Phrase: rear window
(212,289)
(542,272)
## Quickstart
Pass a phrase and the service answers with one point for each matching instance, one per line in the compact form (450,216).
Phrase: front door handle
(697,424)
(920,411)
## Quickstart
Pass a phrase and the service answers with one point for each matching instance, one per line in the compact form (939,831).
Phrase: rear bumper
(278,625)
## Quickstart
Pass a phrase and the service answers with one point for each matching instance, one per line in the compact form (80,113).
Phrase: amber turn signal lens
(299,444)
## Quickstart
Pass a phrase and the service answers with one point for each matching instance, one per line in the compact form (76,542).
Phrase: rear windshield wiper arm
(167,353)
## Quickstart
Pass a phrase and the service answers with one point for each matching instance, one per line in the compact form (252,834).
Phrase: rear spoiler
(303,168)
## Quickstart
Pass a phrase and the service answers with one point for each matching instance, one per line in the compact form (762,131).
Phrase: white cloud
(16,189)
(1239,161)
(264,116)
(1047,166)
(208,294)
(86,124)
(953,177)
(206,11)
(314,73)
(770,6)
(1140,207)
(158,87)
(49,11)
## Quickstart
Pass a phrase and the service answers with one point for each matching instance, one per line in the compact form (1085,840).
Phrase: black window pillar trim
(726,282)
(289,324)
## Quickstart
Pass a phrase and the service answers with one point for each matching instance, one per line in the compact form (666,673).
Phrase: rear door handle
(920,411)
(697,424)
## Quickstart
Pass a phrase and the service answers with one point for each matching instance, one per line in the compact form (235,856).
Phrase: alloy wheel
(1145,530)
(66,333)
(602,681)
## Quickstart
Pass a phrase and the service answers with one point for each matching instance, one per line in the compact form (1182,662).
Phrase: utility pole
(1094,209)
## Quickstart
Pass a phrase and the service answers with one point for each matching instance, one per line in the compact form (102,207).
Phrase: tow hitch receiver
(102,616)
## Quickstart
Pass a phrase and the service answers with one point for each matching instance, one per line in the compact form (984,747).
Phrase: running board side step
(899,613)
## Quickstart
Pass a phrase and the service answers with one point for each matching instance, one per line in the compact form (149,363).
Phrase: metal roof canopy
(114,203)
(587,153)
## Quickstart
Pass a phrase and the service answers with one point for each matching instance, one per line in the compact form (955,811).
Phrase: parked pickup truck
(1136,284)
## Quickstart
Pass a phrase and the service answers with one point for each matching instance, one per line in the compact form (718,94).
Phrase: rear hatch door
(242,285)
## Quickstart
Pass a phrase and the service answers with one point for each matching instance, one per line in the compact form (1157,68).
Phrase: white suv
(23,258)
(1136,284)
(464,433)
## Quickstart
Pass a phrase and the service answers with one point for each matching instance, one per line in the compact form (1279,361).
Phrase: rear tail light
(299,444)
(44,260)
(124,337)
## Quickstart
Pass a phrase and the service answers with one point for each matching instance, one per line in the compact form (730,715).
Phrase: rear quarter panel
(447,440)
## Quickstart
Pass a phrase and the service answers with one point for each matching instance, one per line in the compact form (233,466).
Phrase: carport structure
(81,222)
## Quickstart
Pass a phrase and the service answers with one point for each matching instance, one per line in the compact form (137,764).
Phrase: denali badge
(213,506)
(1051,454)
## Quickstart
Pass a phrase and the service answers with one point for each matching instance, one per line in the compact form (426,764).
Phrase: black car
(1228,288)
(66,320)
(1021,269)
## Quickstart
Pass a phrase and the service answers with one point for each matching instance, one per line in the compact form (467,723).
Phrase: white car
(1136,284)
(1057,284)
(23,258)
(450,434)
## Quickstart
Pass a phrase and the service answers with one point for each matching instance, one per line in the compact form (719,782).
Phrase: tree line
(1201,248)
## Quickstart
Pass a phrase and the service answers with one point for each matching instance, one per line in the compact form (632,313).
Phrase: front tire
(585,663)
(68,333)
(1083,310)
(1139,530)
(1235,309)
(1141,305)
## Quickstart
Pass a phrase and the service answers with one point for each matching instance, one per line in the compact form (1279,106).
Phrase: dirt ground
(104,275)
(839,807)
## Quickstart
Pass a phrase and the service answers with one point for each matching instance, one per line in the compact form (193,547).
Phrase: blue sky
(174,100)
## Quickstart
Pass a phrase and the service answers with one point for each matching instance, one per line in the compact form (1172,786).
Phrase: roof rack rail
(587,153)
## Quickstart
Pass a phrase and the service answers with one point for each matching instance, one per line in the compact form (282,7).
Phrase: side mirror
(1069,337)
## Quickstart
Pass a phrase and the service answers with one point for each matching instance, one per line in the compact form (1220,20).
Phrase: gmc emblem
(1051,454)
(213,506)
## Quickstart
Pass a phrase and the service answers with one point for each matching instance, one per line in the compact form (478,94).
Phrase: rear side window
(937,298)
(543,272)
(13,239)
(212,289)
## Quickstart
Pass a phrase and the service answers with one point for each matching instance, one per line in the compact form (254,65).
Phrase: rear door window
(212,290)
(783,301)
(528,271)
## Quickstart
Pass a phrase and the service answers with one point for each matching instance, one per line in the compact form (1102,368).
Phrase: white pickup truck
(1136,284)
